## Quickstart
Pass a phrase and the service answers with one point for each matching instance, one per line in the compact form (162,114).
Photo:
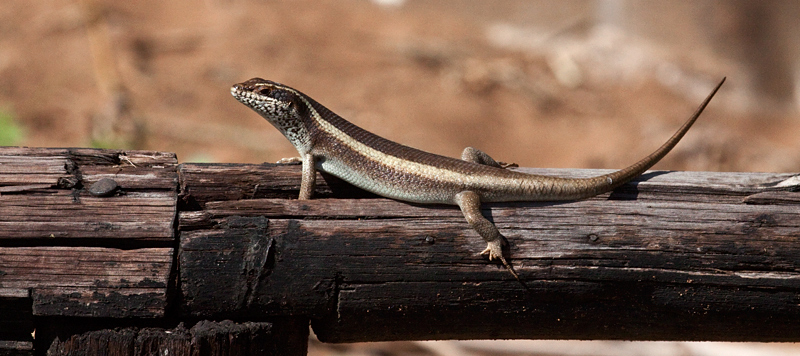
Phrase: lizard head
(285,108)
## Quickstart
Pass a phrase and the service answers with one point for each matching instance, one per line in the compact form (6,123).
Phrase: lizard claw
(495,250)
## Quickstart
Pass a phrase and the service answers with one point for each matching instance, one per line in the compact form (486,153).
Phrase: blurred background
(566,83)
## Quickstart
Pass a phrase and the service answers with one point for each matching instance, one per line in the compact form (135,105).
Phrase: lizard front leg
(472,154)
(470,204)
(308,178)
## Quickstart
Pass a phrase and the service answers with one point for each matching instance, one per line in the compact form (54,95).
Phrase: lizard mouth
(243,96)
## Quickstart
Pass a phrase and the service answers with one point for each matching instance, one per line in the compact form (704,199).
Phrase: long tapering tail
(605,183)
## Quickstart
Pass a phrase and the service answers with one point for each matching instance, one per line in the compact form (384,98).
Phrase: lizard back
(396,171)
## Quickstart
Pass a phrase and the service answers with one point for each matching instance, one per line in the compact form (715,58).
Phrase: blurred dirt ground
(533,83)
(547,83)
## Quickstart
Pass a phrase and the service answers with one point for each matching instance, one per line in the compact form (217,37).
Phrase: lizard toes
(494,249)
(487,251)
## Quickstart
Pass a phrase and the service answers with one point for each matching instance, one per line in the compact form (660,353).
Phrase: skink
(331,144)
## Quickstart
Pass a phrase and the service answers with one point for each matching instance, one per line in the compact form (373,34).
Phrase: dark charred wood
(16,322)
(284,337)
(16,348)
(84,233)
(671,256)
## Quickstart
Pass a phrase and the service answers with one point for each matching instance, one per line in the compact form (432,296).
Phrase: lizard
(326,142)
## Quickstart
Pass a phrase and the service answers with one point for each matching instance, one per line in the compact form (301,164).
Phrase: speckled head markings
(331,144)
(283,107)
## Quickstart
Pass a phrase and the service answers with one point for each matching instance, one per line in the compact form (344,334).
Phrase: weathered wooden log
(673,255)
(45,196)
(87,232)
(90,234)
(89,281)
(286,338)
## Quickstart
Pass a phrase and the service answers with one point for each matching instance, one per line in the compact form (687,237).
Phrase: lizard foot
(495,250)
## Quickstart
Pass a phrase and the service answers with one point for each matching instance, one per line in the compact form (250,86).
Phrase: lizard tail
(611,181)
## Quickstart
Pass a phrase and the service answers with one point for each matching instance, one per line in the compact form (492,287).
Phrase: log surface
(44,196)
(671,256)
(68,251)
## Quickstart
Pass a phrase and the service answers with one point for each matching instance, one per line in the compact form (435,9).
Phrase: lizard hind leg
(474,155)
(470,204)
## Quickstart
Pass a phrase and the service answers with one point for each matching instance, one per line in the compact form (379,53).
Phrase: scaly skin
(329,143)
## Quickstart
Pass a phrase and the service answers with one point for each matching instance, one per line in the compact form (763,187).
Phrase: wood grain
(89,281)
(671,256)
(43,195)
(67,253)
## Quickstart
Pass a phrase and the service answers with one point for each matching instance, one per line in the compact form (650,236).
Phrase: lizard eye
(275,93)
